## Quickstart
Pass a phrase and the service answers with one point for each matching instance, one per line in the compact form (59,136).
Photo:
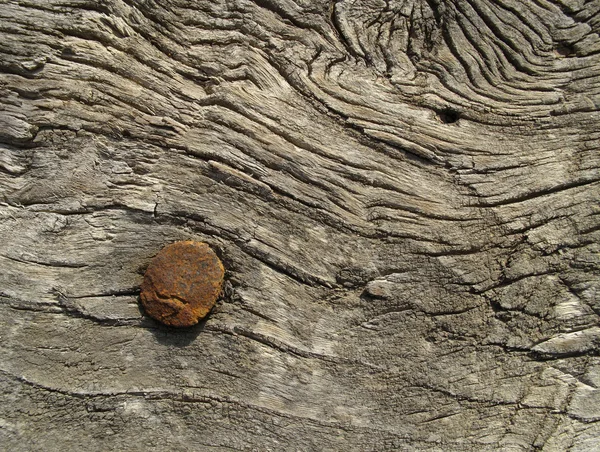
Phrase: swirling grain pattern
(404,194)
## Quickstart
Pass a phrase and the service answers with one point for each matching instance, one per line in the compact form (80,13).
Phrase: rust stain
(182,283)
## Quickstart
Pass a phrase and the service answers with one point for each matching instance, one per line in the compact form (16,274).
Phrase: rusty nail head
(182,283)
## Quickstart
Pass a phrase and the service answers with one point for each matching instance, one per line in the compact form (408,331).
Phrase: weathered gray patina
(404,195)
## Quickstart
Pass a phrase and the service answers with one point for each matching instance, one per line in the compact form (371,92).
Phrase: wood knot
(182,283)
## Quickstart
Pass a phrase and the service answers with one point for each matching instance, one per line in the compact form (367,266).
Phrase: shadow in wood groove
(177,337)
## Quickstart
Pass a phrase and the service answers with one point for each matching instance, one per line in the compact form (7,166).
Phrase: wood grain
(404,194)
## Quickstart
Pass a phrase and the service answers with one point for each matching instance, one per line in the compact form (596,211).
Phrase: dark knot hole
(449,115)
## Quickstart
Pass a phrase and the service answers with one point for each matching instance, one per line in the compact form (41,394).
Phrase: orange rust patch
(182,283)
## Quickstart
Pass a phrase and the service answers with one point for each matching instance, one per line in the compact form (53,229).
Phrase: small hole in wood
(449,116)
(565,50)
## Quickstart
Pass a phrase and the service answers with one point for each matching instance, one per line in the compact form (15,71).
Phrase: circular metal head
(182,283)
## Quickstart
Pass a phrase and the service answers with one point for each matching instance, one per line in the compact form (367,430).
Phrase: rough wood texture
(404,194)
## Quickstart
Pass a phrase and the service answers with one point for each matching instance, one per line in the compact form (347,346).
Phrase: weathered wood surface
(404,193)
